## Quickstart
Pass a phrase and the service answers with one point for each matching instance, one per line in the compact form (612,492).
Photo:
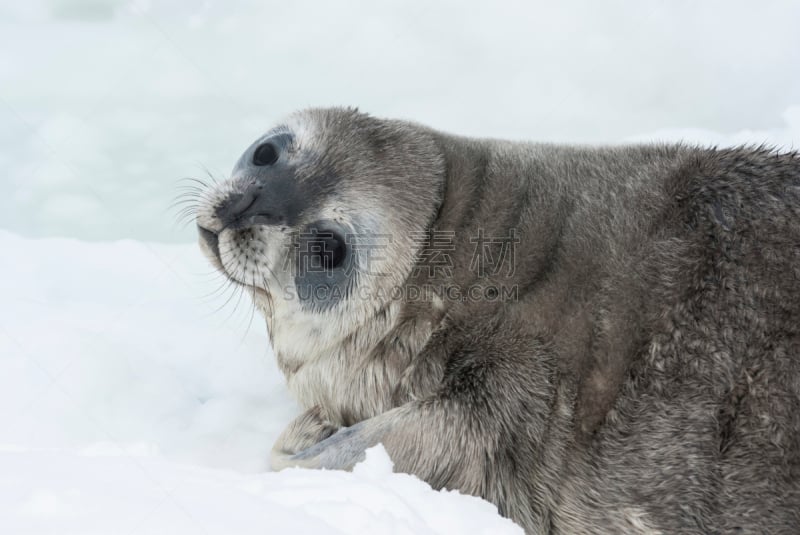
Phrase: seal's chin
(209,244)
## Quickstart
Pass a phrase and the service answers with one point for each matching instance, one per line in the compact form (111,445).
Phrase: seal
(595,339)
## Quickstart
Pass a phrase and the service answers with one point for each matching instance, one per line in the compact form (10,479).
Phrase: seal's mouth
(211,240)
(209,244)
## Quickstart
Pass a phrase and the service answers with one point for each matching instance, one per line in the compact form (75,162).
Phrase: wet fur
(645,380)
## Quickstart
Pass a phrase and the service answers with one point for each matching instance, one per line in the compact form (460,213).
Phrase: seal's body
(597,340)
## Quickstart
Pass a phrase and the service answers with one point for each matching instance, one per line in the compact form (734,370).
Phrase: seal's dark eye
(322,250)
(332,249)
(265,154)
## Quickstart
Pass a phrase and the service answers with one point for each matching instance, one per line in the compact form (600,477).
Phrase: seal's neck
(499,225)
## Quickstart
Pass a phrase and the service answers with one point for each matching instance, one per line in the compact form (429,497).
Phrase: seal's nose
(264,191)
(253,207)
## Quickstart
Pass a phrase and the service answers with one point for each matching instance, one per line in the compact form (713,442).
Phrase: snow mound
(51,491)
(130,404)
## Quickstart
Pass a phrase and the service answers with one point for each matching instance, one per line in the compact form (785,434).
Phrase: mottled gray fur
(644,379)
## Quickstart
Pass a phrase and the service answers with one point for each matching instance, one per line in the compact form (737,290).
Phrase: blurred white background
(105,104)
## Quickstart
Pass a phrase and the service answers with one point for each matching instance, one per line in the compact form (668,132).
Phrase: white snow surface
(103,490)
(129,404)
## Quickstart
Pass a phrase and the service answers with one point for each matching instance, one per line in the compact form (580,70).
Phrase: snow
(114,342)
(119,491)
(97,493)
(130,403)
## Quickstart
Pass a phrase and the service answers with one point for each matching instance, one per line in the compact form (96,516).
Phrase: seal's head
(321,218)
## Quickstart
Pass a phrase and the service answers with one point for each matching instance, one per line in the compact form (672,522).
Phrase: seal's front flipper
(346,447)
(306,430)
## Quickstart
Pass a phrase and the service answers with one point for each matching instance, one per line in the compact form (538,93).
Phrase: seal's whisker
(220,288)
(190,190)
(186,197)
(185,217)
(233,286)
(214,180)
(192,203)
(232,283)
(189,208)
(190,195)
(270,305)
(205,185)
(253,307)
(193,194)
(240,289)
